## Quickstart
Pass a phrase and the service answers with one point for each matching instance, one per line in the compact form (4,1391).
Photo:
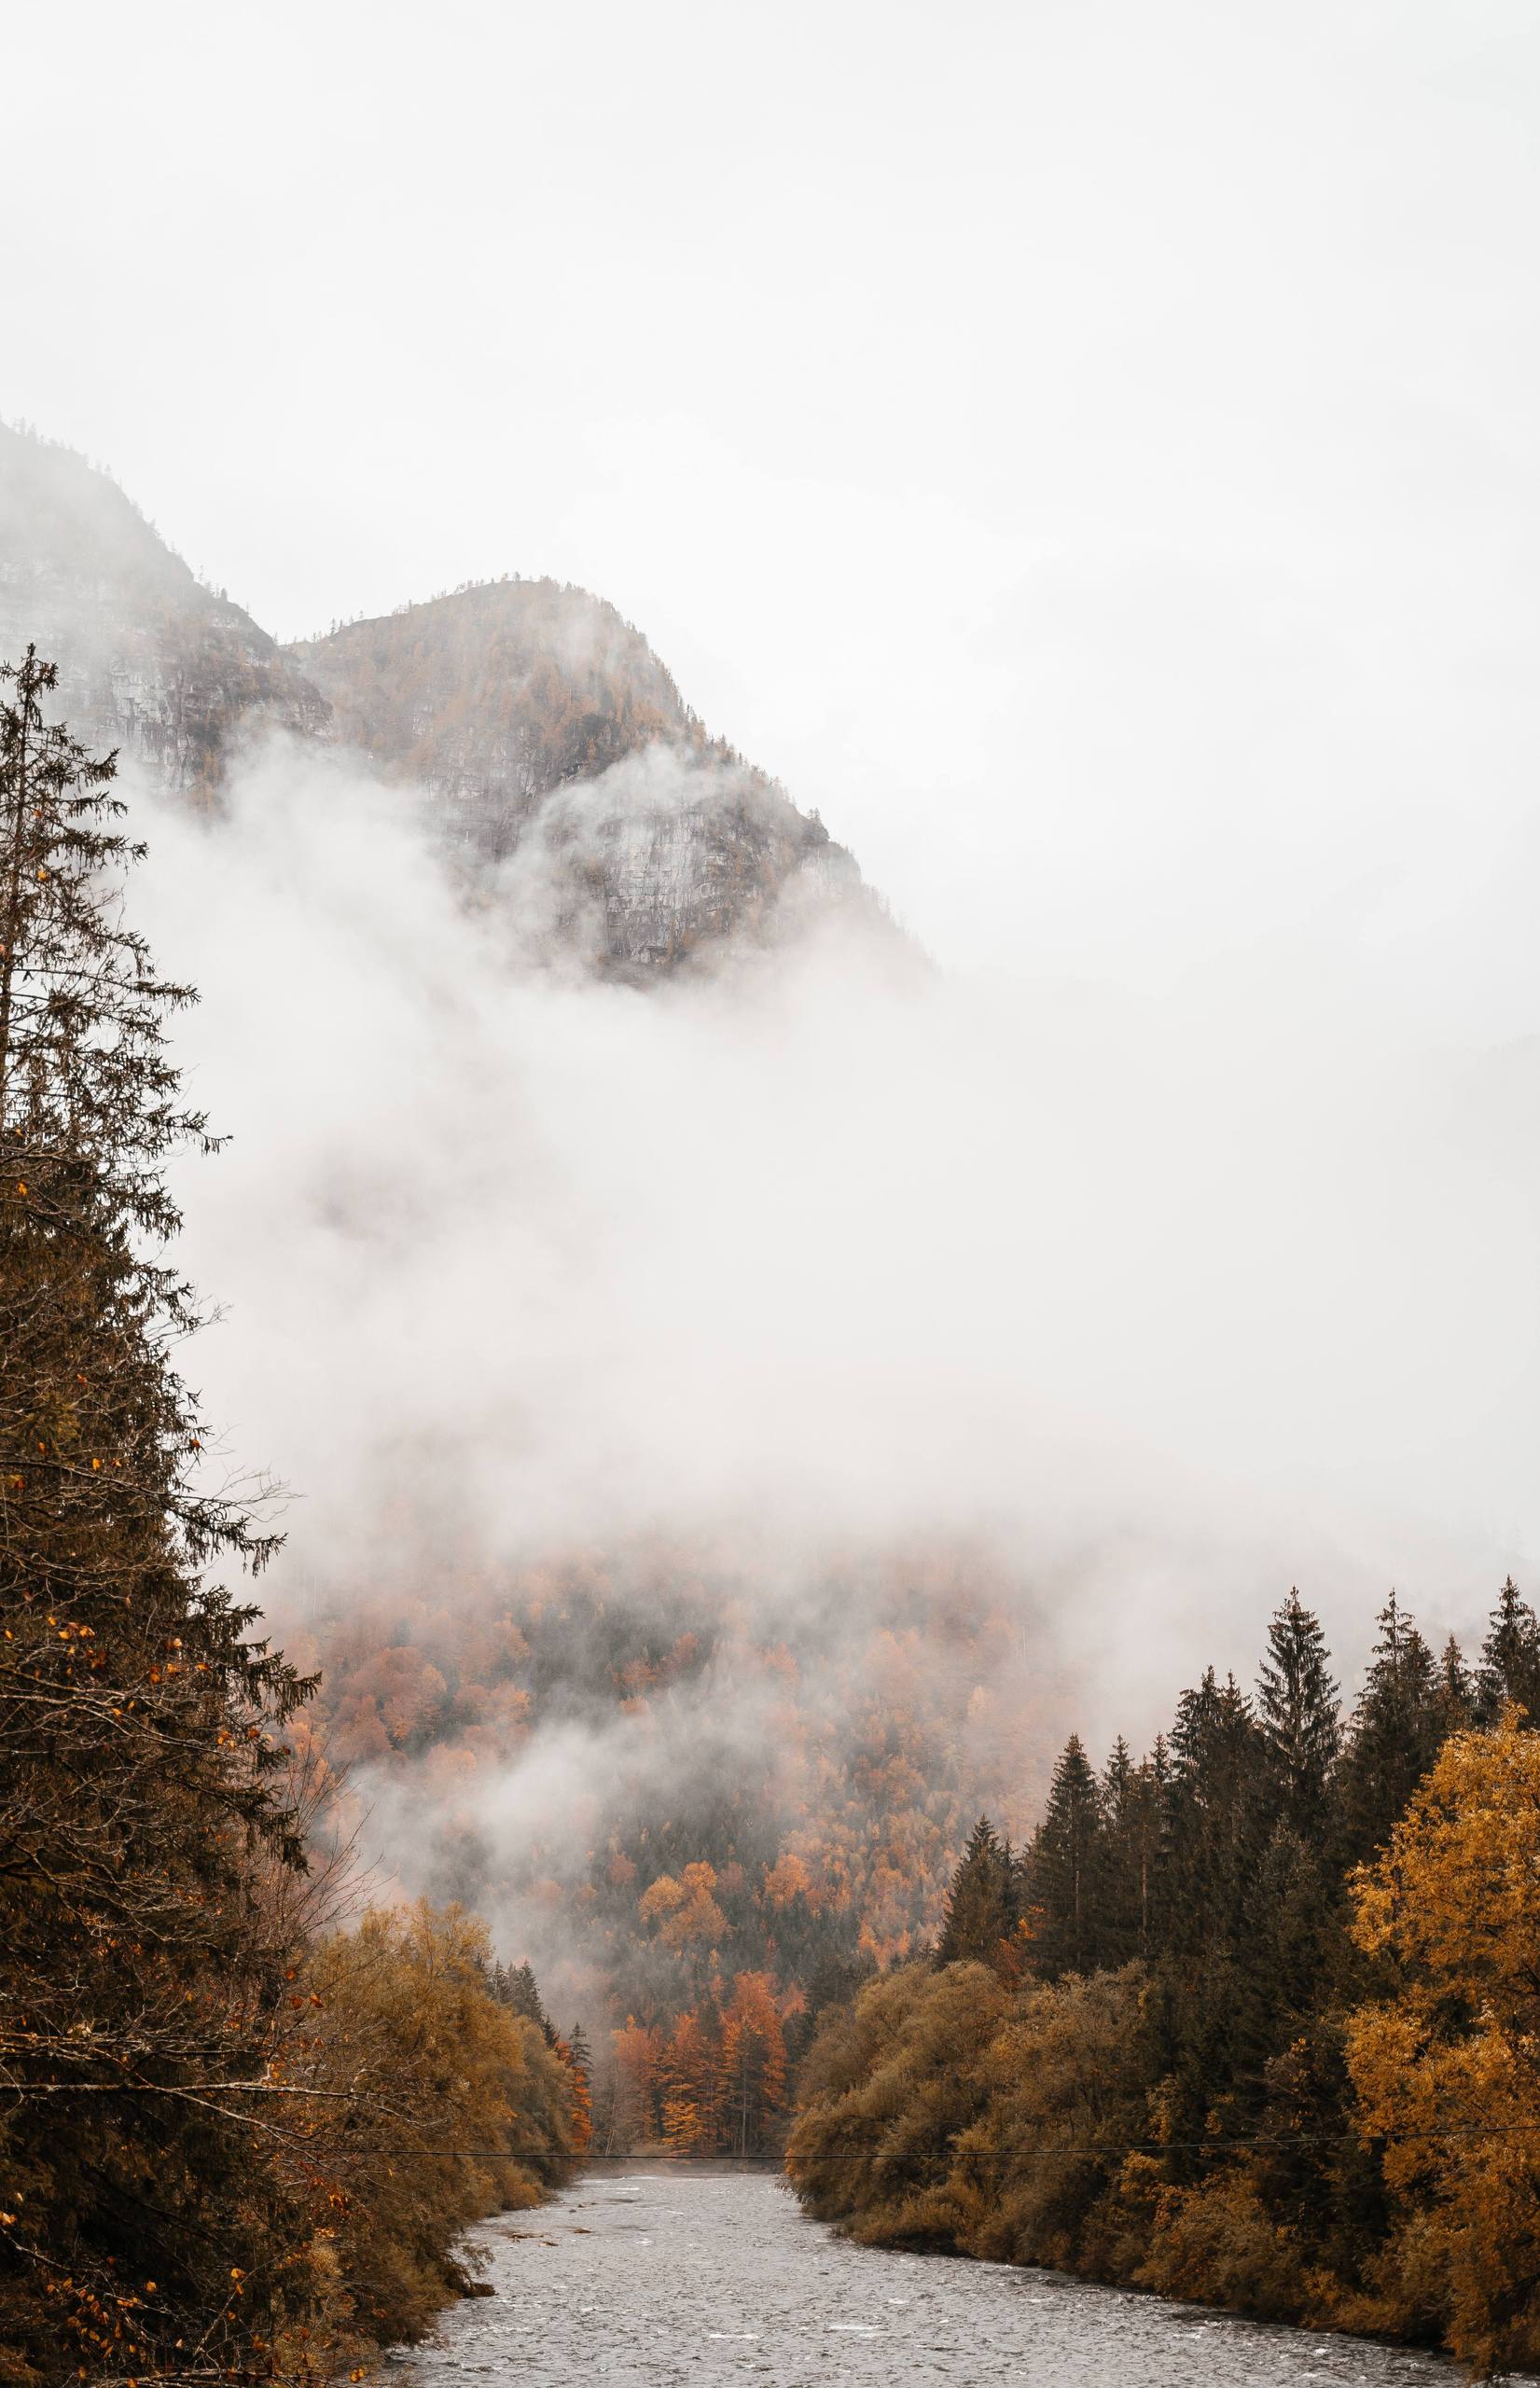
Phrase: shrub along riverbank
(1255,2022)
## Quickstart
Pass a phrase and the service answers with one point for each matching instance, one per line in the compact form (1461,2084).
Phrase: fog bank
(1176,1300)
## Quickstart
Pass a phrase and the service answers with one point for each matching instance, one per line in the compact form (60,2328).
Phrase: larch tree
(751,2064)
(1447,2070)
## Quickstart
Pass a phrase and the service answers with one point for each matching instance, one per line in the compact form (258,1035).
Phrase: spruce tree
(1064,1869)
(522,1992)
(1456,1689)
(1509,1672)
(1398,1727)
(981,1905)
(1216,1836)
(1212,1808)
(1134,1809)
(1299,1718)
(149,1898)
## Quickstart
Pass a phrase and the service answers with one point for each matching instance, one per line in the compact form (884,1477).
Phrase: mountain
(558,763)
(542,726)
(150,660)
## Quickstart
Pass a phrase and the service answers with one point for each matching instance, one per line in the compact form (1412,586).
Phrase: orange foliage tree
(751,2064)
(1447,2066)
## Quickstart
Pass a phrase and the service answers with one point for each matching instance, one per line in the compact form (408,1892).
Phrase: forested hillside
(1254,2019)
(708,1791)
(515,705)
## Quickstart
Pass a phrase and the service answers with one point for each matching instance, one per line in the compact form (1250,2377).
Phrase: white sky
(1087,448)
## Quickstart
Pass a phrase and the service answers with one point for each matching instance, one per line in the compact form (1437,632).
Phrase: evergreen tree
(1398,1727)
(1456,1689)
(1299,1718)
(1134,1809)
(518,1988)
(1216,1837)
(982,1906)
(149,1899)
(1509,1670)
(581,2056)
(1217,1761)
(1064,1869)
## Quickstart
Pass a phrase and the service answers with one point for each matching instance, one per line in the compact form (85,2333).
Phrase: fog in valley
(1152,1306)
(1100,491)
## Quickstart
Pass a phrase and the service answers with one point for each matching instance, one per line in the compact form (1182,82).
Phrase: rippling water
(657,2272)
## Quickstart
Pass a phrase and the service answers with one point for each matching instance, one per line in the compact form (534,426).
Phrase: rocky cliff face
(558,753)
(149,661)
(558,763)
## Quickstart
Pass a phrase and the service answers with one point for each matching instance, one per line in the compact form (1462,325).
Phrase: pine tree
(1299,1718)
(1064,1869)
(517,1987)
(1398,1727)
(1215,1812)
(1456,1689)
(148,1900)
(1509,1672)
(1217,1767)
(982,1905)
(1133,1808)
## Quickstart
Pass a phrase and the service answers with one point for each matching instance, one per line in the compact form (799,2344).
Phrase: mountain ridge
(557,759)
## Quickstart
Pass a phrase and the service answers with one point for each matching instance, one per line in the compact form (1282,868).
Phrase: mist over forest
(694,1330)
(770,1161)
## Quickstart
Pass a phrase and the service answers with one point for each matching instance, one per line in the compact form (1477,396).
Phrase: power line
(1041,2147)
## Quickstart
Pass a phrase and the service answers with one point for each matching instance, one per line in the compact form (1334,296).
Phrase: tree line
(1254,2019)
(713,2083)
(237,2142)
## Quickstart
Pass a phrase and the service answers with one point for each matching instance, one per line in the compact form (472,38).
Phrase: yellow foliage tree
(1446,2069)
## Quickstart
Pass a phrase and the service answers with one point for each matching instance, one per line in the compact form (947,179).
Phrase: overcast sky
(1086,449)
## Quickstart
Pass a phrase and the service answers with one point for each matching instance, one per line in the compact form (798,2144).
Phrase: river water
(702,2274)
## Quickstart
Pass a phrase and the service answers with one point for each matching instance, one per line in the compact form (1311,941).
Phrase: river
(655,2272)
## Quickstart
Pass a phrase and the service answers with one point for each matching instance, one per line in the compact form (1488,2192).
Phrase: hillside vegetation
(756,1798)
(1255,2020)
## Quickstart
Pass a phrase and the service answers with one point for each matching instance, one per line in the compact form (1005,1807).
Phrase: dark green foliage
(1135,1816)
(516,1987)
(1401,1721)
(1063,1870)
(1299,1718)
(1456,1688)
(1510,1661)
(981,1907)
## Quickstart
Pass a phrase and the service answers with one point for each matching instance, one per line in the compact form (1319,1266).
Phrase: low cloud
(1172,1301)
